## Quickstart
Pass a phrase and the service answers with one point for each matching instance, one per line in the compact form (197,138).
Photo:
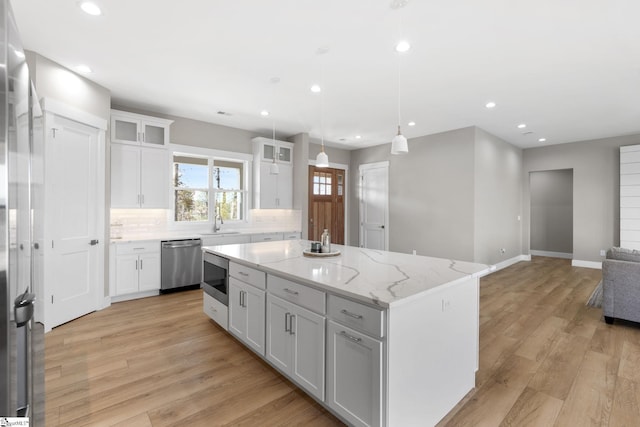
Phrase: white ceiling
(569,69)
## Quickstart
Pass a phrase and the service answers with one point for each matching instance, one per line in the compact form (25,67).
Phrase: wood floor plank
(626,404)
(630,362)
(533,409)
(590,399)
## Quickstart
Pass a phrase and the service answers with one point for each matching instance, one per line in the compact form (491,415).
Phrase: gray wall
(596,181)
(336,155)
(498,198)
(551,216)
(301,179)
(54,81)
(430,194)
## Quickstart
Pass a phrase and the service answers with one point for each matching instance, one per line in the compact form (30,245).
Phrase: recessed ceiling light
(490,105)
(90,8)
(411,123)
(522,126)
(84,69)
(264,113)
(358,137)
(316,89)
(542,139)
(403,46)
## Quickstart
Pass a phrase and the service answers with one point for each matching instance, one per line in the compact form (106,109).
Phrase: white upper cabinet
(137,129)
(139,177)
(272,191)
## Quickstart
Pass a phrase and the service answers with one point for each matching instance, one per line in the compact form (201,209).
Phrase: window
(322,183)
(204,187)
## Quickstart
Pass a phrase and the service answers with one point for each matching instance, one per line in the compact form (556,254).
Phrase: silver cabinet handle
(348,313)
(286,321)
(242,273)
(136,264)
(266,238)
(289,291)
(138,249)
(291,331)
(138,199)
(139,133)
(143,199)
(350,337)
(143,137)
(240,298)
(140,264)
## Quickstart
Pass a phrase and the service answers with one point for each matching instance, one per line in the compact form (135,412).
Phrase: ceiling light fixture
(274,169)
(542,139)
(403,46)
(322,160)
(264,113)
(411,123)
(84,69)
(490,105)
(316,89)
(358,137)
(399,143)
(90,8)
(522,126)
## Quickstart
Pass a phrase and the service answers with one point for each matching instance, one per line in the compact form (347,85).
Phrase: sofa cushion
(623,254)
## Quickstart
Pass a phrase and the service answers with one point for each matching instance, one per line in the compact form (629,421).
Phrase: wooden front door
(326,203)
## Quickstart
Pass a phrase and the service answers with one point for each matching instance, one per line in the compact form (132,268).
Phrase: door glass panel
(154,134)
(126,131)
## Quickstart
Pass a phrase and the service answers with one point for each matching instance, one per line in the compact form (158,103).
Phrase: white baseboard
(106,302)
(552,254)
(509,262)
(587,264)
(127,297)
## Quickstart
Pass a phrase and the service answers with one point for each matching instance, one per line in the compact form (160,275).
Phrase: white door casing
(374,205)
(74,205)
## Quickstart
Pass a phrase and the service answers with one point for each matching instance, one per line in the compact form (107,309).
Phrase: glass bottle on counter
(325,242)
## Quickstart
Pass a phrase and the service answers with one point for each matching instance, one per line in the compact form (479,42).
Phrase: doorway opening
(551,228)
(327,187)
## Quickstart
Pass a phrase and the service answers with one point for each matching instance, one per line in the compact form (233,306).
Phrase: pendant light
(322,160)
(399,143)
(274,169)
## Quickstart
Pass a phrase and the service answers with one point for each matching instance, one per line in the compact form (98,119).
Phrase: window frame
(210,155)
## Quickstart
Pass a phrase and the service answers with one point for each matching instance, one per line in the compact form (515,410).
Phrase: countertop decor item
(310,253)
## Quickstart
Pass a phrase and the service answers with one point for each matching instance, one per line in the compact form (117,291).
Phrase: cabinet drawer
(364,318)
(217,311)
(137,247)
(266,237)
(248,275)
(301,295)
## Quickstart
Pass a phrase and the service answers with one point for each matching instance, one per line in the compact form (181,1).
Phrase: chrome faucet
(217,217)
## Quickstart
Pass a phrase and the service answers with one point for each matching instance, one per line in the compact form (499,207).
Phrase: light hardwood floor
(545,359)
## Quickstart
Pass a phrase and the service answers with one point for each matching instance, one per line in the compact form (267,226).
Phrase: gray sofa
(621,285)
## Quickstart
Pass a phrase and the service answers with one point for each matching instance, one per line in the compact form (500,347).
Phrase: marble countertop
(372,276)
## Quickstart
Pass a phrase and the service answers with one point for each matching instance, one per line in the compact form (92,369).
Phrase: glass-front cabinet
(137,129)
(280,150)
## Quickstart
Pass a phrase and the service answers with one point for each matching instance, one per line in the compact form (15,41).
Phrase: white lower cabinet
(354,375)
(217,311)
(137,268)
(295,343)
(247,314)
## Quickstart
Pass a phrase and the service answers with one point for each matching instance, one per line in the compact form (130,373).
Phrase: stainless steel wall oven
(215,277)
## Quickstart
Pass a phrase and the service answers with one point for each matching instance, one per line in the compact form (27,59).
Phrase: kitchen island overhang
(429,311)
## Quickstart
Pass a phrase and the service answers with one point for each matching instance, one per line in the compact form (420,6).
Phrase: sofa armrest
(621,289)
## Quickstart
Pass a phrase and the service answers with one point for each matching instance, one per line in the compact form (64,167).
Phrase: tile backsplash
(127,222)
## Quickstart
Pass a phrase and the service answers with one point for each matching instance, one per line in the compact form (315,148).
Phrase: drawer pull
(350,337)
(289,291)
(348,313)
(242,273)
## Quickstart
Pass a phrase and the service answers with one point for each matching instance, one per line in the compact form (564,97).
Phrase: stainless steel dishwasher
(181,264)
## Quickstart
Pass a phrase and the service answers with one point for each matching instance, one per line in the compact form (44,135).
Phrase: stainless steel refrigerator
(21,338)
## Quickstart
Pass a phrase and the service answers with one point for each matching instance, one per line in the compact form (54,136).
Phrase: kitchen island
(379,338)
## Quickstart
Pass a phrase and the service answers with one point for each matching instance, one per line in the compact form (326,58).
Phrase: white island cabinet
(401,331)
(247,305)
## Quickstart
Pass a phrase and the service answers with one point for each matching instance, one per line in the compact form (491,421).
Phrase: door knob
(94,242)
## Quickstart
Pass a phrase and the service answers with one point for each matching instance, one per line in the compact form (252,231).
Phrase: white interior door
(73,206)
(374,206)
